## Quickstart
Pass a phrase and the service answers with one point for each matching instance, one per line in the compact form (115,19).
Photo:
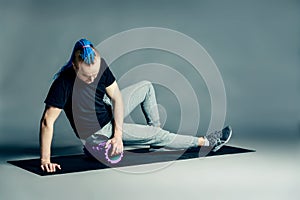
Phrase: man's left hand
(117,145)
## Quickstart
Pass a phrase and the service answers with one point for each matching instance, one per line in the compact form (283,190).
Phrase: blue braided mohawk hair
(86,53)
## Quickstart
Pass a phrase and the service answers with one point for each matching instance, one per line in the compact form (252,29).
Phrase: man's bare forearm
(46,134)
(118,115)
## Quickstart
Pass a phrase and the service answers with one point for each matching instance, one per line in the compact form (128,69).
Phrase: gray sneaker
(218,139)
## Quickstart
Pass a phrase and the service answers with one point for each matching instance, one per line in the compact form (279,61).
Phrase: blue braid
(86,53)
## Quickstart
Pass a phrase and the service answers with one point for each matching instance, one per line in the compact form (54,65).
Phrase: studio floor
(272,172)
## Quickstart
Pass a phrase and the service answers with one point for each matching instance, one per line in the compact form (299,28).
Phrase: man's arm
(114,93)
(46,133)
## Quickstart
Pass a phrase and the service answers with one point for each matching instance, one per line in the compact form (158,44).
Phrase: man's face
(88,73)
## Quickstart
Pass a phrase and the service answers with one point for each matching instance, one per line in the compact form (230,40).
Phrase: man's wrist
(118,134)
(45,160)
(45,157)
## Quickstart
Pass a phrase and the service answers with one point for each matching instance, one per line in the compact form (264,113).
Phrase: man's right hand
(49,167)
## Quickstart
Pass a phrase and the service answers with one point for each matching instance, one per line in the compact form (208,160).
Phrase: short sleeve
(57,95)
(109,77)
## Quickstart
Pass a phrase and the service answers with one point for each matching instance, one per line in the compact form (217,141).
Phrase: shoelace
(214,138)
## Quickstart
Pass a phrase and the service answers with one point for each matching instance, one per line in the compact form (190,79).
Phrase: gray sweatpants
(142,93)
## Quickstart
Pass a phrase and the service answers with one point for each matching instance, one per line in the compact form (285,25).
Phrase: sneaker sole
(216,148)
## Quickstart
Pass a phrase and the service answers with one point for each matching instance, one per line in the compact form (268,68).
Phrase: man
(87,91)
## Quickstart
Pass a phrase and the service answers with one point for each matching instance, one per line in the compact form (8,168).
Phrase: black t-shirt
(82,102)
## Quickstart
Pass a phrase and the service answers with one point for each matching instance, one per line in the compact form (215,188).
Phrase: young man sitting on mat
(87,91)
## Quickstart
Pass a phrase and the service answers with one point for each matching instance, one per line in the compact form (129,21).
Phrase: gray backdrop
(255,45)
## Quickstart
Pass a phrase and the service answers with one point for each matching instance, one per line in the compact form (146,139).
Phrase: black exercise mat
(80,163)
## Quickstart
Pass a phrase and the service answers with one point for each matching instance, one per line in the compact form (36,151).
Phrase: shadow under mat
(80,162)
